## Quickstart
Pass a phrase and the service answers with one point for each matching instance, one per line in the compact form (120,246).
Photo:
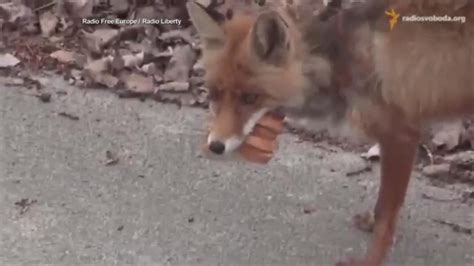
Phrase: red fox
(339,64)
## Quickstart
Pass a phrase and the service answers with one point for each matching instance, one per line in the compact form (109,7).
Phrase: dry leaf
(467,136)
(180,64)
(147,12)
(48,23)
(63,56)
(198,68)
(100,65)
(16,13)
(133,60)
(100,38)
(150,69)
(447,135)
(11,81)
(119,6)
(204,3)
(174,35)
(174,86)
(97,71)
(107,80)
(461,156)
(79,8)
(139,83)
(8,60)
(373,153)
(117,64)
(436,170)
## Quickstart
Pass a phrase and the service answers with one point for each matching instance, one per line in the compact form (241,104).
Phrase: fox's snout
(221,145)
(222,141)
(217,147)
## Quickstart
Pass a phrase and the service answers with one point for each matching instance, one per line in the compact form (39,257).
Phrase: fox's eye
(249,98)
(260,2)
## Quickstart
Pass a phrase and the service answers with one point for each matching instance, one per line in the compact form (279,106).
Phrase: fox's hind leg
(397,161)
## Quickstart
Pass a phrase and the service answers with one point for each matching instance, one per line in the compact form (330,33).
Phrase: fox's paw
(364,221)
(355,262)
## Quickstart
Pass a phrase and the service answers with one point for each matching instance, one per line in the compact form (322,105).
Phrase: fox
(338,65)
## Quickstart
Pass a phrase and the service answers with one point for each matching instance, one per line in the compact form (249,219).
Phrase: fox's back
(427,67)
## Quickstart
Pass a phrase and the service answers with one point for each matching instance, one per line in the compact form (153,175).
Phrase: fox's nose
(217,147)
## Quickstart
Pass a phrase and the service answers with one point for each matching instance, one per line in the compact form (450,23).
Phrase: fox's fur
(345,64)
(425,68)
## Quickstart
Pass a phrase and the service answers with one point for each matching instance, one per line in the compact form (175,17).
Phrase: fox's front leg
(397,157)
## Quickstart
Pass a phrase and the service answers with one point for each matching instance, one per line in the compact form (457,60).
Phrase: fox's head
(252,67)
(255,64)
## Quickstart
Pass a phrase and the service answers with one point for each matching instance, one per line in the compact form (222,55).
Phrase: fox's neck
(332,70)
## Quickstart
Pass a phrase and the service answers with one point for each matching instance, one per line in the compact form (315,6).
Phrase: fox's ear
(209,30)
(269,38)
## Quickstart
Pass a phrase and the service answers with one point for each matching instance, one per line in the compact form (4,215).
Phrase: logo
(392,14)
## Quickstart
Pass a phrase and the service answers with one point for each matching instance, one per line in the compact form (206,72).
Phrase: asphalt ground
(64,202)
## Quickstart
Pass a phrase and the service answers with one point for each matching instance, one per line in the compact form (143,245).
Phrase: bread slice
(262,143)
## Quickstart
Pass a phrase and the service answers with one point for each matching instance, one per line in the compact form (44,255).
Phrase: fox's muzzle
(220,145)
